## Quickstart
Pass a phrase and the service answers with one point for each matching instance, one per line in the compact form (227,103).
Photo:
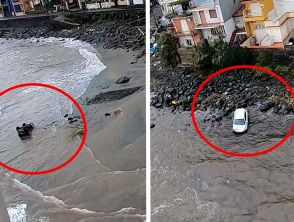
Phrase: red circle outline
(223,150)
(83,138)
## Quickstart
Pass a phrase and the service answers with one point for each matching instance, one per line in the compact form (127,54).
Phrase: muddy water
(193,182)
(85,190)
(264,130)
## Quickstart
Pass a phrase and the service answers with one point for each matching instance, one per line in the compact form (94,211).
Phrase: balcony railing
(249,14)
(193,32)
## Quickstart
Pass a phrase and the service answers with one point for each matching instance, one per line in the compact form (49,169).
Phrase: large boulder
(265,106)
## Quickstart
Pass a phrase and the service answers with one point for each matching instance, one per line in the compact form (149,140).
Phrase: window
(189,42)
(260,26)
(212,14)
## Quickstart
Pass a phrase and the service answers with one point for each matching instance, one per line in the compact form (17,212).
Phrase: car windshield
(239,122)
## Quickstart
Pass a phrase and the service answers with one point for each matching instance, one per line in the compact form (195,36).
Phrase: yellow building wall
(250,22)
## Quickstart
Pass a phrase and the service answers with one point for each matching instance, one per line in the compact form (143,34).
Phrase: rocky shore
(110,34)
(242,88)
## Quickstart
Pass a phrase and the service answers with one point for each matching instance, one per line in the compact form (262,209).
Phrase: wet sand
(106,182)
(193,182)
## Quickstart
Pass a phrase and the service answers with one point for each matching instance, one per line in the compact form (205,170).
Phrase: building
(270,25)
(239,35)
(280,24)
(184,30)
(255,14)
(172,6)
(186,34)
(214,18)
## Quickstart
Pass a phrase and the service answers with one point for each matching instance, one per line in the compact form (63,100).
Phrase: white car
(240,122)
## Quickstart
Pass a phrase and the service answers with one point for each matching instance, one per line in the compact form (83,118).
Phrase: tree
(167,49)
(201,57)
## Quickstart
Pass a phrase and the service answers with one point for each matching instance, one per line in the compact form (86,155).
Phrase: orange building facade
(184,30)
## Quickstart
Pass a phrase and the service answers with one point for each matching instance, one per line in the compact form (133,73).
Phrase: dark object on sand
(152,125)
(25,131)
(122,80)
(107,114)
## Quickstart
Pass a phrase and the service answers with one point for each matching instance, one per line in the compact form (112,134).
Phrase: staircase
(233,36)
(267,41)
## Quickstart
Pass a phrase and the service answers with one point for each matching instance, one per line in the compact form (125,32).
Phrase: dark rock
(265,106)
(218,118)
(107,114)
(72,121)
(158,105)
(66,115)
(152,125)
(105,86)
(122,80)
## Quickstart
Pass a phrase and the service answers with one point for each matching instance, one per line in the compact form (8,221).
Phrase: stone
(265,106)
(122,80)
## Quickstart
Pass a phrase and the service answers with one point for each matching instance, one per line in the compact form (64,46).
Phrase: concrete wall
(208,19)
(177,23)
(228,8)
(280,33)
(283,6)
(198,3)
(230,28)
(239,22)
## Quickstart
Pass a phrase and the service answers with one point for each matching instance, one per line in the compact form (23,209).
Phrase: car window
(239,122)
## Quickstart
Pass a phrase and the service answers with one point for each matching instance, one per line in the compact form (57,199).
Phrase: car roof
(239,113)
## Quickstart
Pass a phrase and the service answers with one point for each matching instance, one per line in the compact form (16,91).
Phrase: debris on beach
(25,131)
(107,114)
(118,111)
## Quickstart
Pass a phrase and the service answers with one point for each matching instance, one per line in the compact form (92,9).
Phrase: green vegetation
(264,59)
(167,49)
(201,57)
(220,55)
(224,55)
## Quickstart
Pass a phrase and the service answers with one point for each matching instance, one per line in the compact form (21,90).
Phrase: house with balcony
(280,25)
(214,18)
(188,37)
(255,14)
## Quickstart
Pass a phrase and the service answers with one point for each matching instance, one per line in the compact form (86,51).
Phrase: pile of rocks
(225,93)
(108,34)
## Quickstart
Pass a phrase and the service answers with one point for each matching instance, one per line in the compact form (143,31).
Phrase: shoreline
(113,158)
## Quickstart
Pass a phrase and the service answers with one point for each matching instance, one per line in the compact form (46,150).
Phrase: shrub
(167,49)
(281,69)
(201,57)
(264,59)
(225,55)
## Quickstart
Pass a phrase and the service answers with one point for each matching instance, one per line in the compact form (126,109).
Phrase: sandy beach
(106,182)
